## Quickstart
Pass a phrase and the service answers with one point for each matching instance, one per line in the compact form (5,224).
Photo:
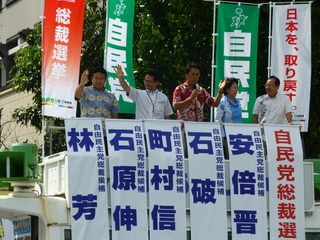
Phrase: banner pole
(42,93)
(213,57)
(42,136)
(269,39)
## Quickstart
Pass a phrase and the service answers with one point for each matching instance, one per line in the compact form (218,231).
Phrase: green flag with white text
(236,51)
(118,49)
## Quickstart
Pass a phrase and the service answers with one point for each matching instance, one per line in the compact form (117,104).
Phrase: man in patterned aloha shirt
(189,98)
(95,100)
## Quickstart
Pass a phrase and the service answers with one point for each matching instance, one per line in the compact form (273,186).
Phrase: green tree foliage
(167,35)
(26,77)
(93,34)
(312,137)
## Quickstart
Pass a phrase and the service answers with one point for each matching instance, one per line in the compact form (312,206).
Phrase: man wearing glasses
(189,98)
(150,103)
(273,107)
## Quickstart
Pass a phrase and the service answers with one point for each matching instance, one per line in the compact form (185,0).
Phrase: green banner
(118,49)
(236,51)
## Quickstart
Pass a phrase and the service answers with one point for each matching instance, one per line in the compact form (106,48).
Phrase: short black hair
(155,74)
(191,65)
(98,70)
(276,80)
(229,82)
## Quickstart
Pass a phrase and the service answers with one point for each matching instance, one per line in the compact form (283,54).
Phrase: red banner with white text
(61,44)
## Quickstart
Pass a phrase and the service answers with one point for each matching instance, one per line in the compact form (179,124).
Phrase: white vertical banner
(207,181)
(247,182)
(167,193)
(291,56)
(128,181)
(87,179)
(286,188)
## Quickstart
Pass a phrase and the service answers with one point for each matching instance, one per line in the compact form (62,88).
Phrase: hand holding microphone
(195,93)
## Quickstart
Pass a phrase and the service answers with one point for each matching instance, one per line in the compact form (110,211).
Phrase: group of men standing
(188,98)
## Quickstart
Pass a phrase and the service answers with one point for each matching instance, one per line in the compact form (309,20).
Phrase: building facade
(17,19)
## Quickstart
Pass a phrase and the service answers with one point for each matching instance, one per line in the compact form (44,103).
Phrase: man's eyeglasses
(195,74)
(148,81)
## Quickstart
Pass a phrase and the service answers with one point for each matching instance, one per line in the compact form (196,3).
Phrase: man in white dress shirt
(150,103)
(273,107)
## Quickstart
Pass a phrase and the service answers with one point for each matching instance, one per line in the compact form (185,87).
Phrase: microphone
(196,86)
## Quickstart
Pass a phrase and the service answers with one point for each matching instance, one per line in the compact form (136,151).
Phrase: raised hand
(119,71)
(84,77)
